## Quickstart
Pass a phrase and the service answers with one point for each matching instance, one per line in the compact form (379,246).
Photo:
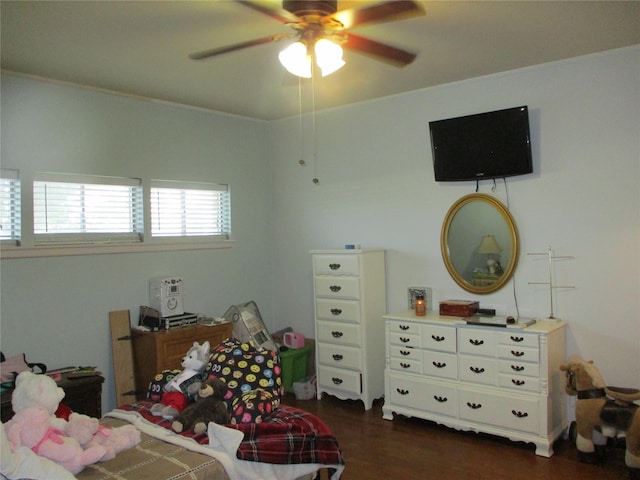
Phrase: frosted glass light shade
(296,60)
(328,56)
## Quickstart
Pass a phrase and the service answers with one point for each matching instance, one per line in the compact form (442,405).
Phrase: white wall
(377,189)
(56,309)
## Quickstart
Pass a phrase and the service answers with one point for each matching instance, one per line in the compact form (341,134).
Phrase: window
(9,207)
(190,209)
(71,209)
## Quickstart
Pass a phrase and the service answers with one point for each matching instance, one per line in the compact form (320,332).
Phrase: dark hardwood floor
(409,448)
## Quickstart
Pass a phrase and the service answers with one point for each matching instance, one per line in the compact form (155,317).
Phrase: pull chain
(315,130)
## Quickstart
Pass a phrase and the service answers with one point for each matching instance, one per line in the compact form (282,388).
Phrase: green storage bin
(294,365)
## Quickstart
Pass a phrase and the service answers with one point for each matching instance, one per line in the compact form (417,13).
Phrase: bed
(291,444)
(264,439)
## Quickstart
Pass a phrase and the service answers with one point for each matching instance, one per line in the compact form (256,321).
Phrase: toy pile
(72,443)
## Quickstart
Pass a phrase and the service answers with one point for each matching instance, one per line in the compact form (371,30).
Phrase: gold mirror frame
(472,218)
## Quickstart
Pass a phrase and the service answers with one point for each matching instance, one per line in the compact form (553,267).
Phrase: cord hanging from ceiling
(314,130)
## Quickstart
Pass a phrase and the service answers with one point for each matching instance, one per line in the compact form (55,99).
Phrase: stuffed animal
(35,390)
(183,387)
(33,427)
(209,407)
(90,433)
(602,410)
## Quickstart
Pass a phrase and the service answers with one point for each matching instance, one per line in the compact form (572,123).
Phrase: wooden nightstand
(163,350)
(82,395)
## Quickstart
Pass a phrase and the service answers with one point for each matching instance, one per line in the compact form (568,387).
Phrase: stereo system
(166,296)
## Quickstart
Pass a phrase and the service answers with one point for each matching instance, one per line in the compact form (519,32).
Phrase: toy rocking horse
(606,409)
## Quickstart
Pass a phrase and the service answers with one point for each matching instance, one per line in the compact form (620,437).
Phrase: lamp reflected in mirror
(489,246)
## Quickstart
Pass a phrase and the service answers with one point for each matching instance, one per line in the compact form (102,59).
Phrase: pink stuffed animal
(32,427)
(90,433)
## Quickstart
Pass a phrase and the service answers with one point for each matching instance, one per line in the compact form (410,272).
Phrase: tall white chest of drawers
(501,381)
(350,300)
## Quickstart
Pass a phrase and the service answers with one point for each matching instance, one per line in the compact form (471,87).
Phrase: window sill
(71,250)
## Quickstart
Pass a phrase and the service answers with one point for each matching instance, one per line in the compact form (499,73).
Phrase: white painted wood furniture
(501,381)
(350,299)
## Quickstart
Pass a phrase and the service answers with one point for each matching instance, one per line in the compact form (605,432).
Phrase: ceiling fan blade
(379,51)
(379,13)
(279,14)
(212,52)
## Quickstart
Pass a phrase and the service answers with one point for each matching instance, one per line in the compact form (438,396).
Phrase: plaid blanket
(288,436)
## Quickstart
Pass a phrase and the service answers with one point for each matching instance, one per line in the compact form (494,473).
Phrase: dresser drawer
(421,395)
(338,310)
(519,383)
(405,339)
(407,353)
(477,342)
(515,413)
(437,337)
(338,287)
(519,368)
(339,333)
(407,366)
(515,338)
(335,264)
(439,364)
(478,369)
(336,378)
(339,356)
(405,327)
(523,354)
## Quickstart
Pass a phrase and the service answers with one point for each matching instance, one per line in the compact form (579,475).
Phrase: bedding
(289,444)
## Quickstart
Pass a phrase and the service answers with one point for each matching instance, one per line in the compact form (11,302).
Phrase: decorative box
(459,308)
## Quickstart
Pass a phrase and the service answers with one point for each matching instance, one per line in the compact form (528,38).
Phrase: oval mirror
(479,243)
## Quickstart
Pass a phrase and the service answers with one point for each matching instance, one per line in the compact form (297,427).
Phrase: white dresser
(350,300)
(501,381)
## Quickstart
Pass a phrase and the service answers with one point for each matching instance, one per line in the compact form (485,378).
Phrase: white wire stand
(552,285)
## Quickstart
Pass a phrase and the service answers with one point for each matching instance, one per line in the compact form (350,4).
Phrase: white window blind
(190,209)
(72,209)
(10,207)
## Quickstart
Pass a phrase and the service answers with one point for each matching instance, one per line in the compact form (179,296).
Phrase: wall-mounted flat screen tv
(485,145)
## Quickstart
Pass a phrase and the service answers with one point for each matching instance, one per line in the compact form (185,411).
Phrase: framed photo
(413,292)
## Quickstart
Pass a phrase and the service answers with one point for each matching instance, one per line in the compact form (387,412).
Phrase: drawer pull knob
(336,334)
(519,414)
(474,406)
(405,339)
(405,352)
(517,382)
(335,288)
(517,368)
(336,380)
(404,327)
(337,357)
(476,342)
(336,311)
(405,365)
(477,369)
(402,391)
(439,364)
(516,339)
(437,338)
(516,354)
(440,399)
(334,266)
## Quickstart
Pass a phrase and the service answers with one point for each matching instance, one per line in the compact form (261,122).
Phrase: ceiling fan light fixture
(328,56)
(296,60)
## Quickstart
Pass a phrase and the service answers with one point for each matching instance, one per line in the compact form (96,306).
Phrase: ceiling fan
(317,21)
